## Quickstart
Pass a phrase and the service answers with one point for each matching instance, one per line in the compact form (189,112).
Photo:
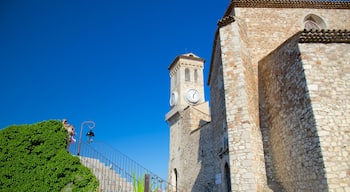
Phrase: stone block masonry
(279,89)
(305,98)
(327,72)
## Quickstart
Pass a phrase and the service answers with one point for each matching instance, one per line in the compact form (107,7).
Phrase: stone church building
(279,115)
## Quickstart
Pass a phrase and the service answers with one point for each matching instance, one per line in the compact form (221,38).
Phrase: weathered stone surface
(304,138)
(279,97)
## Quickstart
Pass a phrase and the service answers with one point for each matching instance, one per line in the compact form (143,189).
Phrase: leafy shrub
(34,158)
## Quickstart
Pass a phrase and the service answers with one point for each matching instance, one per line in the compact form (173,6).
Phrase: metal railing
(117,172)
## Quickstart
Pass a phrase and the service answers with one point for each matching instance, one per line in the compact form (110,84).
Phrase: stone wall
(268,28)
(183,151)
(293,139)
(218,122)
(191,150)
(327,71)
(175,172)
(268,113)
(245,143)
(245,36)
(305,117)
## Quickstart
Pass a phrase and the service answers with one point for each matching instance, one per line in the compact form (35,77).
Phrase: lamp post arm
(91,126)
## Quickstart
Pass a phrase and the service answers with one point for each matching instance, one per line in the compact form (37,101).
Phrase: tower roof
(190,56)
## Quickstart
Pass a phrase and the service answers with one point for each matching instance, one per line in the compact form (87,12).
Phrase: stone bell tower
(187,84)
(187,118)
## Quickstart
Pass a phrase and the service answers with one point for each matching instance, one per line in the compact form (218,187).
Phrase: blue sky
(104,61)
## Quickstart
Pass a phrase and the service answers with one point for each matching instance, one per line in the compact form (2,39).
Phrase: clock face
(173,99)
(192,96)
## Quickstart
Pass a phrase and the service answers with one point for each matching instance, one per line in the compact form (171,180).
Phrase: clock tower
(188,120)
(186,82)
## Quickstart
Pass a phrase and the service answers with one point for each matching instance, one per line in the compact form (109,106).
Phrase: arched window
(174,180)
(227,178)
(195,75)
(313,21)
(187,74)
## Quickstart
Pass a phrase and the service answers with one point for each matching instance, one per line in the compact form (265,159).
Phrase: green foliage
(139,184)
(34,158)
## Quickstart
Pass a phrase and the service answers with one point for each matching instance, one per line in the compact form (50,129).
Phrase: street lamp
(90,135)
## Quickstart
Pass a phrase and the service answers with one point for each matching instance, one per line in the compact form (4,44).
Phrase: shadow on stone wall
(293,156)
(203,182)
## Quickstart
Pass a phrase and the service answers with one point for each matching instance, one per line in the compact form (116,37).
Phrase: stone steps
(109,180)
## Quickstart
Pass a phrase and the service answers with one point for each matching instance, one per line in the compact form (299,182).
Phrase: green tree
(34,158)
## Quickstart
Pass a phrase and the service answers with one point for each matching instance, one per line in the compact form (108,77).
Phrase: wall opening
(195,75)
(174,180)
(313,21)
(187,74)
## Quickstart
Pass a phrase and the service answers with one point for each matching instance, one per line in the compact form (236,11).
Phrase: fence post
(147,182)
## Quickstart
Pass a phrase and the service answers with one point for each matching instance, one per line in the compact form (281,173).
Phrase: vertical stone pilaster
(245,142)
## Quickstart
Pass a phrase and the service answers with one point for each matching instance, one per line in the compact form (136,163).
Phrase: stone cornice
(324,36)
(226,20)
(185,57)
(310,4)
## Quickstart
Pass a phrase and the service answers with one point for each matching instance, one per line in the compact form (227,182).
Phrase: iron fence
(117,172)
